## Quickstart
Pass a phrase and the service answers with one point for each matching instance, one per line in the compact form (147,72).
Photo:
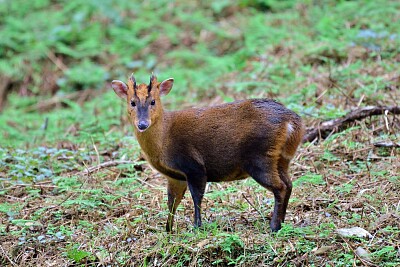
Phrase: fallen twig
(386,144)
(339,124)
(364,261)
(7,257)
(57,61)
(106,165)
(56,100)
(251,204)
(4,86)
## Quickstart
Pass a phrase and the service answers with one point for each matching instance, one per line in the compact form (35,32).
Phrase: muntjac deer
(256,137)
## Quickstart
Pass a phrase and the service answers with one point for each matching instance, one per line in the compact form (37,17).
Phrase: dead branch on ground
(106,165)
(336,125)
(386,144)
(4,85)
(57,100)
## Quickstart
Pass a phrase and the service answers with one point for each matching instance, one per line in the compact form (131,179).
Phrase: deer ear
(166,86)
(120,88)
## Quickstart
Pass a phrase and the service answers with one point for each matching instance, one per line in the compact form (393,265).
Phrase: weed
(321,60)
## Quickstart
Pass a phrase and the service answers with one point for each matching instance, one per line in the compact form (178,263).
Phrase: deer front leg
(176,190)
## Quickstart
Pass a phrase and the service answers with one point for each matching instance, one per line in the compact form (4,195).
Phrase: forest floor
(54,212)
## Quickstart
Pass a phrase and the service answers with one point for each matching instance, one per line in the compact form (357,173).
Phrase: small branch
(7,257)
(364,261)
(58,62)
(33,185)
(145,183)
(48,104)
(251,204)
(339,124)
(105,165)
(386,144)
(4,86)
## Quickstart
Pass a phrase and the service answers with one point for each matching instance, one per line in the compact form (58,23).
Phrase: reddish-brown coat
(256,138)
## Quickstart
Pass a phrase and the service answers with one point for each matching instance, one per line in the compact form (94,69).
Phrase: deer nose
(143,125)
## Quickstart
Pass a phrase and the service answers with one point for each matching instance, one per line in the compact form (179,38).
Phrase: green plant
(311,178)
(320,59)
(78,255)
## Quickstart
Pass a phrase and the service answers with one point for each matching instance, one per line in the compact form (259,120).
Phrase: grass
(321,60)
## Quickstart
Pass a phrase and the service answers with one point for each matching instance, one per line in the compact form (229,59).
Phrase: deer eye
(133,104)
(153,102)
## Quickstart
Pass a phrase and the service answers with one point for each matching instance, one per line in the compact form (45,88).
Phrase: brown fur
(256,138)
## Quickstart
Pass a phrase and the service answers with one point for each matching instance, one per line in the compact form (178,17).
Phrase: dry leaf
(201,244)
(362,253)
(355,231)
(322,250)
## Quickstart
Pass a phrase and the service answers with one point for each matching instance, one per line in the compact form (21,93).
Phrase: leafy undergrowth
(117,215)
(319,60)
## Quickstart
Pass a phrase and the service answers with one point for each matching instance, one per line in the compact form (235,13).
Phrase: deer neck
(152,140)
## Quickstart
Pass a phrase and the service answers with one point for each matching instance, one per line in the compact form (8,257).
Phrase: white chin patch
(141,130)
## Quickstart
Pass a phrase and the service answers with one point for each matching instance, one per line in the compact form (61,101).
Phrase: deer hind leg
(283,170)
(197,185)
(176,190)
(294,135)
(265,172)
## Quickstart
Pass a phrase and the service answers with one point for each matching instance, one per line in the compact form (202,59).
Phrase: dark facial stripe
(152,78)
(143,112)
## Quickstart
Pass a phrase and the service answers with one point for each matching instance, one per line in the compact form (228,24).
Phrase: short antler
(132,80)
(153,80)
